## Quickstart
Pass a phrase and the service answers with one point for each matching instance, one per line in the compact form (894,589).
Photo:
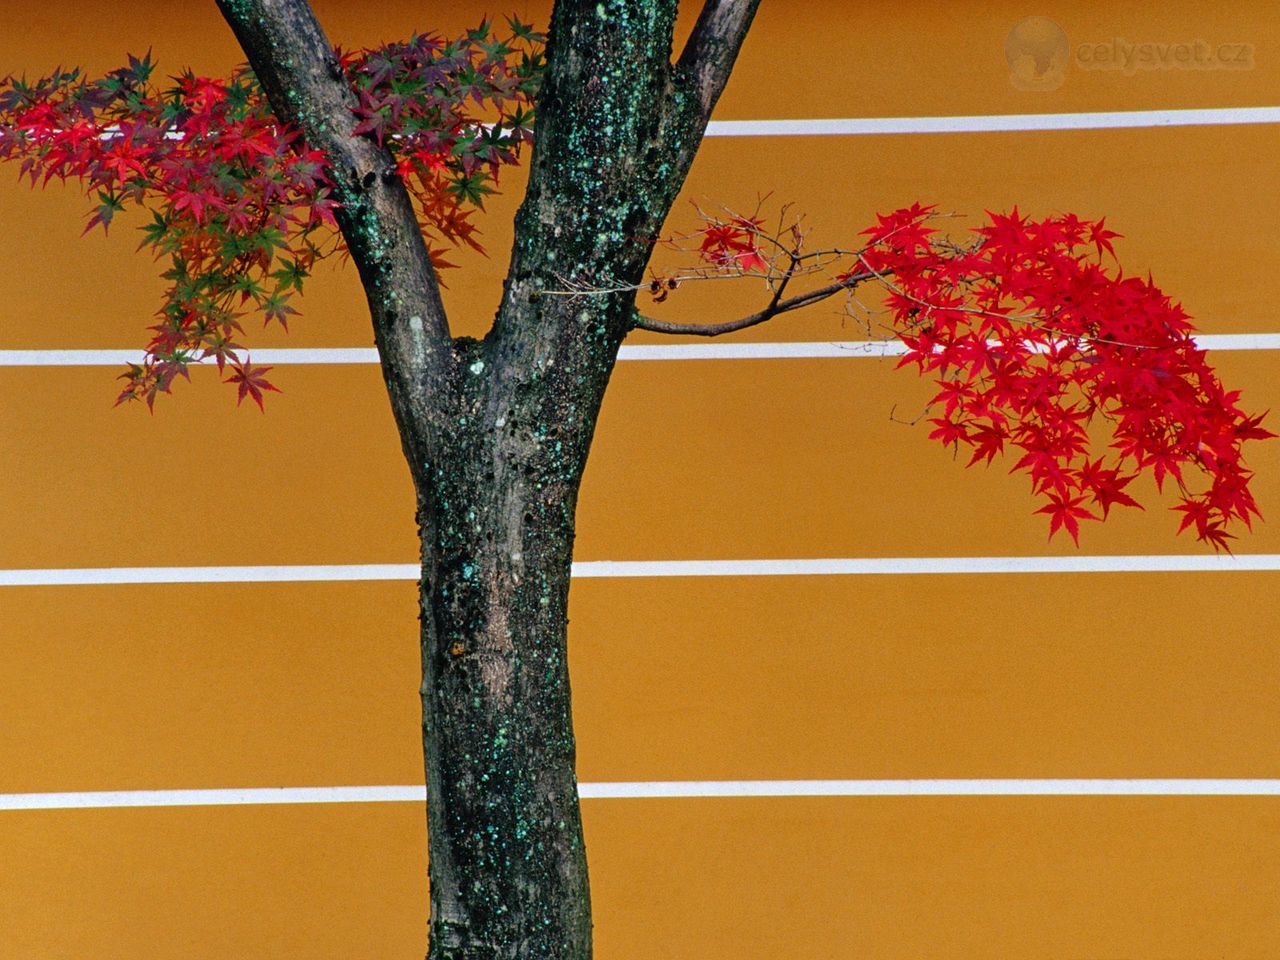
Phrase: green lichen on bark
(507,859)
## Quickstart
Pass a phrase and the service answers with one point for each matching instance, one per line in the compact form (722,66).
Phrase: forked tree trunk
(496,433)
(497,497)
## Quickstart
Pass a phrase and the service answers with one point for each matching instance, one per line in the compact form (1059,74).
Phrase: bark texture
(496,432)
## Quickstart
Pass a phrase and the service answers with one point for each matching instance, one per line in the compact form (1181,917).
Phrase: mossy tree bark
(496,432)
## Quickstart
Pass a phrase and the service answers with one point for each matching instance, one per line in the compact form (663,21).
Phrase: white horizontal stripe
(928,788)
(974,123)
(98,576)
(659,789)
(1160,563)
(100,799)
(680,351)
(1238,341)
(106,358)
(927,565)
(765,351)
(673,351)
(993,123)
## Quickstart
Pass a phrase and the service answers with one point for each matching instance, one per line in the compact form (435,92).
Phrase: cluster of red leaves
(1032,340)
(1036,346)
(734,243)
(240,206)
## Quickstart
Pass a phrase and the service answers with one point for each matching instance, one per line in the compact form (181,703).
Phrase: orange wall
(1142,675)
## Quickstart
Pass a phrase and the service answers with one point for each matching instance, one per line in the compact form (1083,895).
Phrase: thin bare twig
(768,313)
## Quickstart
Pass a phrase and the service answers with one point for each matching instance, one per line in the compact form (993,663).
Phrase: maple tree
(384,155)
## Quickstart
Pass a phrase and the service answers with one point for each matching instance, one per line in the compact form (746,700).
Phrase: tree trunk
(508,872)
(496,433)
(498,489)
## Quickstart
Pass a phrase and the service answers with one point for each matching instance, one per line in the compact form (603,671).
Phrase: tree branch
(298,70)
(713,47)
(768,313)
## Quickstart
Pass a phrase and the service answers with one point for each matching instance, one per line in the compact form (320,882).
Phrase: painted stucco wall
(698,678)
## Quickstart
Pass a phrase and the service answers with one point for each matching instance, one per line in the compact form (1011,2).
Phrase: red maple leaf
(1065,512)
(250,381)
(1106,486)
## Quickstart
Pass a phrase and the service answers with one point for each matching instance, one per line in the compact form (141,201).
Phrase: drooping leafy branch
(241,208)
(1032,340)
(1033,343)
